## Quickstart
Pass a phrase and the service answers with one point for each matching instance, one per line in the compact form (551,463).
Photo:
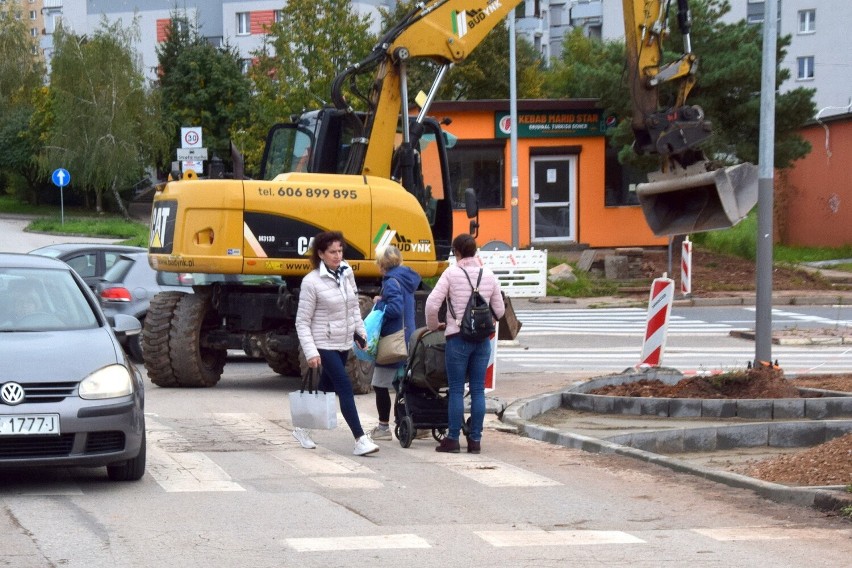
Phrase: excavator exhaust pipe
(693,203)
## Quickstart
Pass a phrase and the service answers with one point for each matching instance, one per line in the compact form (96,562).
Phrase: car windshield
(42,299)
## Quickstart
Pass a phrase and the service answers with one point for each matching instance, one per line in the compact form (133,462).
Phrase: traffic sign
(190,137)
(60,177)
(191,154)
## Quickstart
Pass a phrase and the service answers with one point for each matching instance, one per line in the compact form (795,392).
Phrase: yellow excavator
(379,174)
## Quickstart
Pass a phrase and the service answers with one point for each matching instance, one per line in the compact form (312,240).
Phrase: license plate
(29,424)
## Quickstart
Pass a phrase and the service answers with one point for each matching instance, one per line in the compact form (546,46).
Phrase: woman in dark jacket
(398,285)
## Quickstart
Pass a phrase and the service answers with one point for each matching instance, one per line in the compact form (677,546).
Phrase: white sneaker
(304,438)
(378,433)
(365,446)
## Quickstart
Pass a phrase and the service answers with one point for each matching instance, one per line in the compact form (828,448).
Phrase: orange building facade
(814,198)
(561,163)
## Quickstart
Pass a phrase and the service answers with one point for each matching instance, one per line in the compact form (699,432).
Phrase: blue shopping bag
(373,325)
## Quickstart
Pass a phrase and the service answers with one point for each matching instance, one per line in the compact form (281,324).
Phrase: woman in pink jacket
(464,359)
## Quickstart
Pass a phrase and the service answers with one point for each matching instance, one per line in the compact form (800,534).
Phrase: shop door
(553,194)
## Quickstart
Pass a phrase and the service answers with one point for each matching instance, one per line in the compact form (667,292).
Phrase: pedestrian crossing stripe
(337,543)
(556,538)
(751,534)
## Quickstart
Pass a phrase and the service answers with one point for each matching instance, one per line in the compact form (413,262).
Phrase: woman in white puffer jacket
(327,320)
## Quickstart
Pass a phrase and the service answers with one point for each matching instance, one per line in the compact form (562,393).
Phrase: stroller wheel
(406,432)
(439,434)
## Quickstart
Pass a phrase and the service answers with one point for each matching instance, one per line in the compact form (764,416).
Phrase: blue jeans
(466,360)
(334,378)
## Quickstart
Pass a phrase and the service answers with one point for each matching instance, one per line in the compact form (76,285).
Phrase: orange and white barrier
(686,267)
(659,309)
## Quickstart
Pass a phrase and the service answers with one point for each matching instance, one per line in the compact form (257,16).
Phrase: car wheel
(130,470)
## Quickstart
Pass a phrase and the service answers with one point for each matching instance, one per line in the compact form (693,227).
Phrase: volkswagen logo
(12,394)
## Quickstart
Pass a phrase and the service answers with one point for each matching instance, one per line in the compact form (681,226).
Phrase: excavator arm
(685,195)
(443,31)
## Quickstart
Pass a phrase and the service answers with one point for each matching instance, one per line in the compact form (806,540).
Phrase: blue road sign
(60,177)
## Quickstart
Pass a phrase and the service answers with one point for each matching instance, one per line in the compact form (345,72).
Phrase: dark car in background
(90,260)
(69,396)
(128,287)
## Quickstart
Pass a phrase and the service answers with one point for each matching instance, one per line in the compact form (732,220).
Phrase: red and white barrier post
(686,267)
(659,309)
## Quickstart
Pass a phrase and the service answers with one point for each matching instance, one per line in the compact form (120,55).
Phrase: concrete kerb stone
(788,434)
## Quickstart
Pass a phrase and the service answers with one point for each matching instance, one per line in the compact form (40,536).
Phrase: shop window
(480,165)
(620,180)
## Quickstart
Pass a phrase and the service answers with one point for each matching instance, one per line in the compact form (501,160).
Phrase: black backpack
(477,321)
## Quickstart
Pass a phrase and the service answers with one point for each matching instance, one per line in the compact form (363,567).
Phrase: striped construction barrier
(686,267)
(656,328)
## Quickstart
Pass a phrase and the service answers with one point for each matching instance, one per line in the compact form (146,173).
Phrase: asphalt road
(226,485)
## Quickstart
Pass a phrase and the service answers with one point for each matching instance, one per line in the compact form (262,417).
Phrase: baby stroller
(422,394)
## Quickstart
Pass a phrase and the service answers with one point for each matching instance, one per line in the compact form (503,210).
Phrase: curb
(816,340)
(519,413)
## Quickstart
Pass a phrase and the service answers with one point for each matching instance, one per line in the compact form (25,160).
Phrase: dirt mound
(826,464)
(751,383)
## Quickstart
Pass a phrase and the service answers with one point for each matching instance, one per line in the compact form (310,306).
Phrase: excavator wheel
(194,364)
(155,338)
(281,353)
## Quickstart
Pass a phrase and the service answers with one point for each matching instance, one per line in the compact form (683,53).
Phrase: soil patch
(826,464)
(751,383)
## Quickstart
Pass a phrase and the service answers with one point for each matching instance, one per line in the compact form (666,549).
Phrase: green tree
(21,74)
(103,123)
(294,69)
(728,87)
(201,85)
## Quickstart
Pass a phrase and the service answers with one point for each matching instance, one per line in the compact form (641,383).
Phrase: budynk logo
(463,21)
(387,236)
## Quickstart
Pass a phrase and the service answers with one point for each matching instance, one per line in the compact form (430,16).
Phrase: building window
(245,65)
(34,32)
(243,23)
(278,15)
(33,14)
(479,164)
(806,68)
(807,21)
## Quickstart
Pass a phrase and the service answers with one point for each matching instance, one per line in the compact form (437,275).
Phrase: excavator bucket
(692,203)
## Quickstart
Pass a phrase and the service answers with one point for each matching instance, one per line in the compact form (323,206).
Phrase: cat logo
(162,227)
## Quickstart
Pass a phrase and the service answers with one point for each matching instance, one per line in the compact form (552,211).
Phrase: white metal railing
(522,272)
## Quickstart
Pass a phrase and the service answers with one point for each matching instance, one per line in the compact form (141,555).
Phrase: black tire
(283,356)
(130,470)
(135,349)
(361,372)
(155,339)
(251,346)
(406,432)
(439,434)
(194,365)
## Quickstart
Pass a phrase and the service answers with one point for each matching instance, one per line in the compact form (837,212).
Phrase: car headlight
(109,382)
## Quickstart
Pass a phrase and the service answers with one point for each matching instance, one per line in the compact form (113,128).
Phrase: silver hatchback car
(68,394)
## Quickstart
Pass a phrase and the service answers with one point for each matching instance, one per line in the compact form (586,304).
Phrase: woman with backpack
(467,353)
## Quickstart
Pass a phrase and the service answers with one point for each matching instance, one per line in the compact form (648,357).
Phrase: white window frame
(278,16)
(33,14)
(807,21)
(805,68)
(243,23)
